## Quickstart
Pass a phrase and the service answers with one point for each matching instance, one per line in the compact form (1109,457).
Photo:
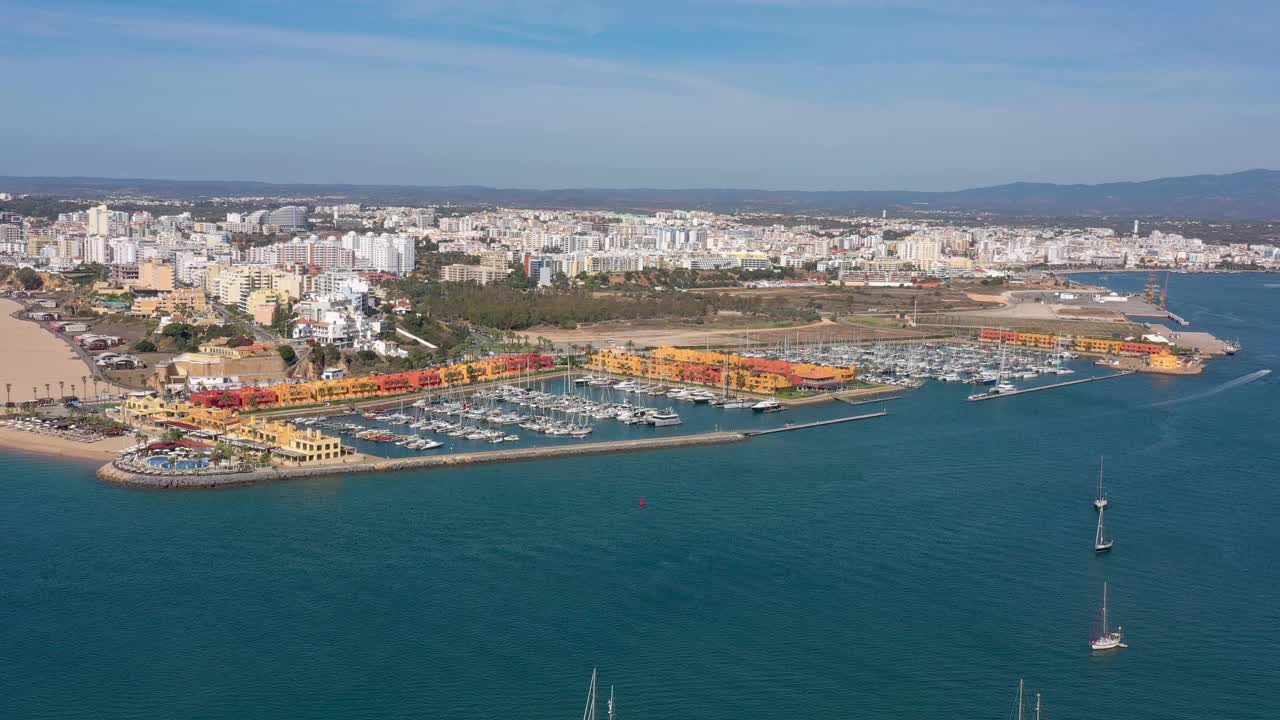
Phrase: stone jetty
(113,474)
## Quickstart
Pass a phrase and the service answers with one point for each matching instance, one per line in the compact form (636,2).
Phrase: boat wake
(1242,380)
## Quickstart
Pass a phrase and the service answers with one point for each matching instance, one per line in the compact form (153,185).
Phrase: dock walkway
(1024,391)
(818,423)
(870,401)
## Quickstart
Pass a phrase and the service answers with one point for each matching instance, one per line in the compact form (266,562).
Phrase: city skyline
(770,94)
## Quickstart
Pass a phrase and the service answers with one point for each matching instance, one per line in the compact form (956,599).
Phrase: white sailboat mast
(1100,477)
(589,713)
(1105,630)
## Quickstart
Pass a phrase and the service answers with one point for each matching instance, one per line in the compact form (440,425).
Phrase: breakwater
(113,474)
(1039,388)
(789,427)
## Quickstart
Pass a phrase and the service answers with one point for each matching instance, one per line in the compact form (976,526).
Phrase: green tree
(288,353)
(29,279)
(144,345)
(281,314)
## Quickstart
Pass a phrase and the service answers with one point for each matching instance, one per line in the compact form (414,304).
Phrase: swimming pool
(167,464)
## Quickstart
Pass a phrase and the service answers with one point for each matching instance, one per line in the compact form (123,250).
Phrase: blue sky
(799,94)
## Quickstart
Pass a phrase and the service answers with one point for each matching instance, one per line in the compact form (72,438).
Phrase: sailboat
(1018,711)
(1101,543)
(1002,386)
(1104,638)
(589,713)
(1100,502)
(613,713)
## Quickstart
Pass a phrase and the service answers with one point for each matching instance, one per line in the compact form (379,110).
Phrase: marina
(911,364)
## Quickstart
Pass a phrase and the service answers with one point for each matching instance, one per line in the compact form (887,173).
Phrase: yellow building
(290,444)
(149,410)
(186,300)
(682,366)
(262,304)
(249,363)
(1098,345)
(1164,361)
(155,276)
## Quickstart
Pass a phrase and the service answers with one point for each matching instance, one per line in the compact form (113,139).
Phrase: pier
(122,476)
(818,423)
(869,401)
(1024,391)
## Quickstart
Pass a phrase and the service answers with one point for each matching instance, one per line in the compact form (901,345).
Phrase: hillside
(1248,195)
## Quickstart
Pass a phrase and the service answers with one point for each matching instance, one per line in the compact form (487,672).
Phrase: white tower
(1135,228)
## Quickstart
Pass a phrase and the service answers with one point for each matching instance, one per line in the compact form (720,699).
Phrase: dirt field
(652,333)
(845,300)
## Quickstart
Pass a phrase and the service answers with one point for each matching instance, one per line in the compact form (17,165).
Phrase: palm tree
(34,396)
(8,394)
(62,389)
(47,392)
(84,383)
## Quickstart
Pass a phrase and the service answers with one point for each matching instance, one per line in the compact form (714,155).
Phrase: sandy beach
(32,357)
(28,442)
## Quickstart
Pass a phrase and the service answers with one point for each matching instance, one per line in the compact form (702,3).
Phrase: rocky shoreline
(120,476)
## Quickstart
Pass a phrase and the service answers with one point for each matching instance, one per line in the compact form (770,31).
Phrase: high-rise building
(99,220)
(289,217)
(123,251)
(97,249)
(156,276)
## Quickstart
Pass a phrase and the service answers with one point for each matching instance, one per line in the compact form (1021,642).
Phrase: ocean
(907,566)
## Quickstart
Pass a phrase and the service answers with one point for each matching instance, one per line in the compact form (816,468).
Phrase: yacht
(767,405)
(664,418)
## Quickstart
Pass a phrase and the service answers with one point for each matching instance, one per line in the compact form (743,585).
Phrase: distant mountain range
(1249,195)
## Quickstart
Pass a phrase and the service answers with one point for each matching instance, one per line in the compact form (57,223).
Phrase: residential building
(473,273)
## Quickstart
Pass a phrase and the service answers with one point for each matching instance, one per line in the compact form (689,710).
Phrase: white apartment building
(231,285)
(473,273)
(97,249)
(123,251)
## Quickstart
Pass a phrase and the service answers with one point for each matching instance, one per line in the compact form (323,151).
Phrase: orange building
(289,394)
(701,367)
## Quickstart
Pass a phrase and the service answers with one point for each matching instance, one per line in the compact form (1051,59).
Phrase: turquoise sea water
(915,565)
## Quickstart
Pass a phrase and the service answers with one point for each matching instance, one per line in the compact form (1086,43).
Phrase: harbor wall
(113,474)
